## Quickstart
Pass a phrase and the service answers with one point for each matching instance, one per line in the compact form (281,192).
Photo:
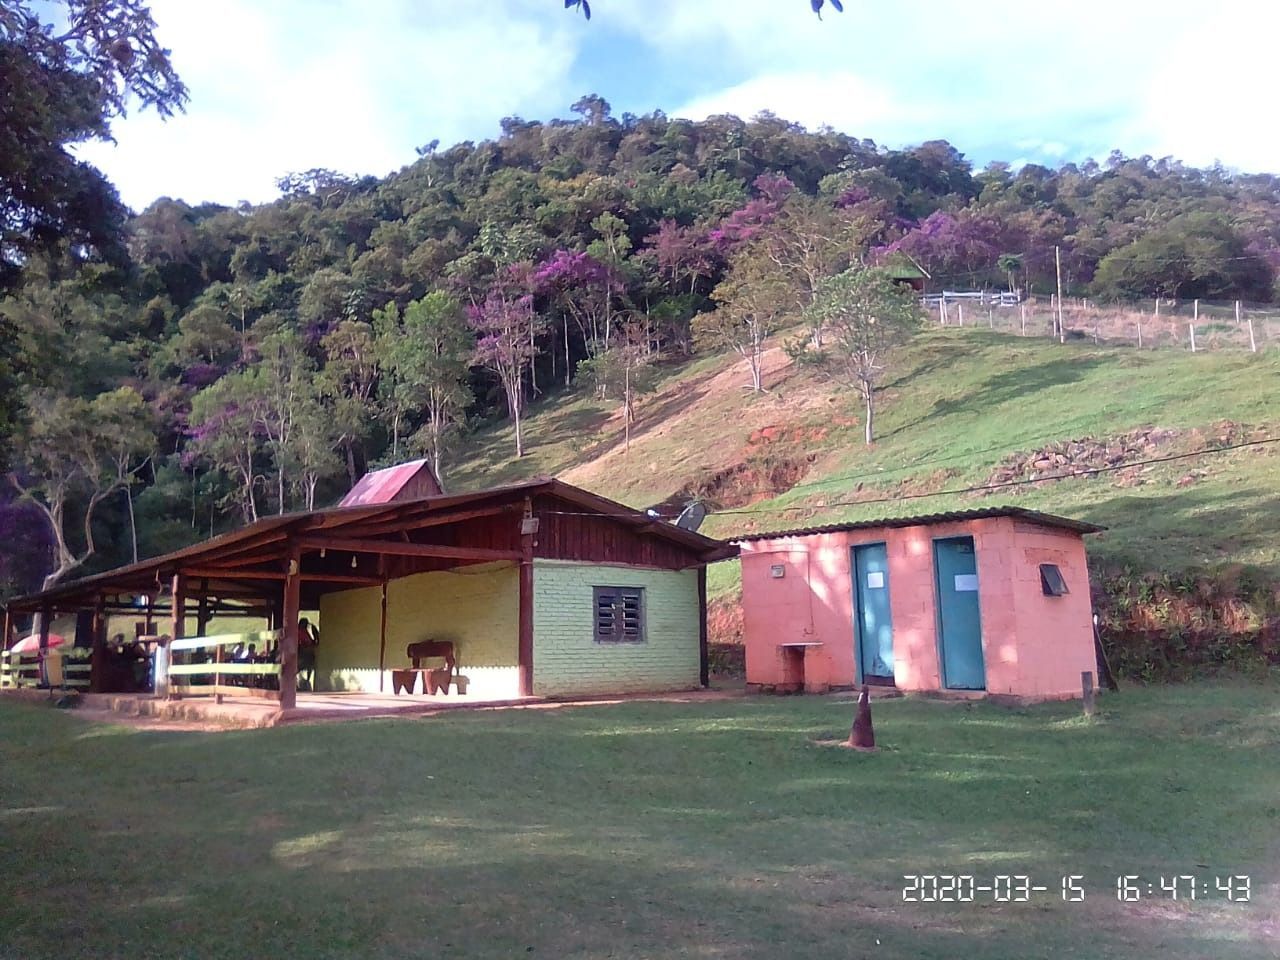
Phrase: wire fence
(1193,325)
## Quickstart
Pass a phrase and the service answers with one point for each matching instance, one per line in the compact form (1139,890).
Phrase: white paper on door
(966,582)
(875,580)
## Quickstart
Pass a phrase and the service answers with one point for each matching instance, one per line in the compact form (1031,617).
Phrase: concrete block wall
(568,661)
(476,607)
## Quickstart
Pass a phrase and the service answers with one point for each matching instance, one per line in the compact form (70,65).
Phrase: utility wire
(977,488)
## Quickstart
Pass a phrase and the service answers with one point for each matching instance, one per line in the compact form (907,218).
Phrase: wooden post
(960,311)
(1086,685)
(991,318)
(1095,330)
(1024,318)
(1192,325)
(942,310)
(382,638)
(1195,311)
(289,628)
(98,658)
(524,653)
(1139,331)
(1253,344)
(704,651)
(177,629)
(46,615)
(7,641)
(1057,259)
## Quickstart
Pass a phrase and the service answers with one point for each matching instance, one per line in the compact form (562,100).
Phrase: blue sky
(355,85)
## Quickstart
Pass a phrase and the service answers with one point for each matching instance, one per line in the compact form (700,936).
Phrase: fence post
(1192,325)
(1253,344)
(1087,693)
(991,320)
(1095,330)
(1139,331)
(960,311)
(1195,310)
(942,310)
(1024,318)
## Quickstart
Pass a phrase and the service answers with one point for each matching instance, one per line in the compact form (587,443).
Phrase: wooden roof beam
(395,549)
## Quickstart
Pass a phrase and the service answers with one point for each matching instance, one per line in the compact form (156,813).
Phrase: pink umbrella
(31,644)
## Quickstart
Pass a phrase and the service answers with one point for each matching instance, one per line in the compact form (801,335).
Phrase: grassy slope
(958,402)
(715,829)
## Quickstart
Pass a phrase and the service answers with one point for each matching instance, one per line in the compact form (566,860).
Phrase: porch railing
(223,675)
(18,671)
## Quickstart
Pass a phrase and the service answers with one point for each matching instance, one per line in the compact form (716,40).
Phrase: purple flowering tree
(583,289)
(505,325)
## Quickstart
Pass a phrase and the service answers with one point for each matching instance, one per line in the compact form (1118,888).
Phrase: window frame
(1048,586)
(618,633)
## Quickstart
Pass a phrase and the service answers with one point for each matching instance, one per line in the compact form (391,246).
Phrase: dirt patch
(1084,454)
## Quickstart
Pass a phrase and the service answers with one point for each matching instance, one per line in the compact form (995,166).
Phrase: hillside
(961,402)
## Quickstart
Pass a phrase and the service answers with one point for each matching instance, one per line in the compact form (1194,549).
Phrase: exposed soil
(1067,457)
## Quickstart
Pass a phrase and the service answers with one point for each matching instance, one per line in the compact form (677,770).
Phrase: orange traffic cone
(863,736)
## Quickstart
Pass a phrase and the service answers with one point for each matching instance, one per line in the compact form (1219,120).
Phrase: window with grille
(619,614)
(1051,582)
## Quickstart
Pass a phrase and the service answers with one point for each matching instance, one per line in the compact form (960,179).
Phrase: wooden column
(46,615)
(704,655)
(202,610)
(289,629)
(524,650)
(98,661)
(382,639)
(177,629)
(7,640)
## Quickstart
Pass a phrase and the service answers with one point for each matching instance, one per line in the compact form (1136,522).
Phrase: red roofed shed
(405,481)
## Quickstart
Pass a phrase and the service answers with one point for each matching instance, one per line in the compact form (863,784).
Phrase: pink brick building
(992,601)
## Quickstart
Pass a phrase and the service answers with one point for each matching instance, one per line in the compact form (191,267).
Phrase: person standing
(308,641)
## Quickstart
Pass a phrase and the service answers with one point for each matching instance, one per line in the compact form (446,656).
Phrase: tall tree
(73,454)
(753,300)
(67,68)
(868,315)
(504,346)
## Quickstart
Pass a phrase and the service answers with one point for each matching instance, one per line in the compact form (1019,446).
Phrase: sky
(279,86)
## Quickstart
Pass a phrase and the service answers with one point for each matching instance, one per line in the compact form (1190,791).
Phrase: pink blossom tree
(505,325)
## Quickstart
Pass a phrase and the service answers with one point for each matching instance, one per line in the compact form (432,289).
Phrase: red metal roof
(1018,513)
(381,486)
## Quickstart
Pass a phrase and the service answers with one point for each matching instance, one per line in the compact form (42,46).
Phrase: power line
(977,488)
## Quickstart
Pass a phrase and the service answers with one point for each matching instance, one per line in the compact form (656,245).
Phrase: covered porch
(381,580)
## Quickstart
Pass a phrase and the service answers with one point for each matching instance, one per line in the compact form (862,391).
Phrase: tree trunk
(133,523)
(868,394)
(568,367)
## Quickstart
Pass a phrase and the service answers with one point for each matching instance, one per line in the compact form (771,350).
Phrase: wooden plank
(228,667)
(211,690)
(395,549)
(225,640)
(436,519)
(279,575)
(382,638)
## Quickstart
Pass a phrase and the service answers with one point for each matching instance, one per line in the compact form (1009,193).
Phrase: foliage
(67,68)
(505,327)
(72,450)
(753,300)
(868,316)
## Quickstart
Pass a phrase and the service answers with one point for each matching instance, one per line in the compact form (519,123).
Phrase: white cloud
(354,90)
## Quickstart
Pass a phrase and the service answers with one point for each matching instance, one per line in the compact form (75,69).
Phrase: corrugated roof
(381,486)
(271,530)
(929,519)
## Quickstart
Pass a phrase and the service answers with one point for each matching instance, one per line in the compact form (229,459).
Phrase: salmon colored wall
(1033,645)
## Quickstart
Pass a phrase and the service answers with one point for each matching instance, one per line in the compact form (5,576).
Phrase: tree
(64,78)
(503,324)
(1010,263)
(224,430)
(425,357)
(76,452)
(624,371)
(1196,255)
(347,383)
(288,413)
(868,316)
(752,299)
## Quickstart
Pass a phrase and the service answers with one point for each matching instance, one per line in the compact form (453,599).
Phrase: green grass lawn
(712,829)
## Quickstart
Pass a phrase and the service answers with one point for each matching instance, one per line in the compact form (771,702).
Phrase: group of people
(308,641)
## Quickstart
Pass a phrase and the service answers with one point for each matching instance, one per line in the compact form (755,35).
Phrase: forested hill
(210,364)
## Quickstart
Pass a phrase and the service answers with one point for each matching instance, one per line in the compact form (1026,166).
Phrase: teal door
(874,624)
(959,619)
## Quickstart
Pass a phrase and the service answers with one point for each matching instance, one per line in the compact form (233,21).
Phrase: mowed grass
(955,404)
(711,829)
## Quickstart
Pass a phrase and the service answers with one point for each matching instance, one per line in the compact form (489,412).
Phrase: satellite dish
(692,516)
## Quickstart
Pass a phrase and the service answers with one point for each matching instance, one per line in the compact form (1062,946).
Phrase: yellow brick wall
(475,607)
(568,661)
